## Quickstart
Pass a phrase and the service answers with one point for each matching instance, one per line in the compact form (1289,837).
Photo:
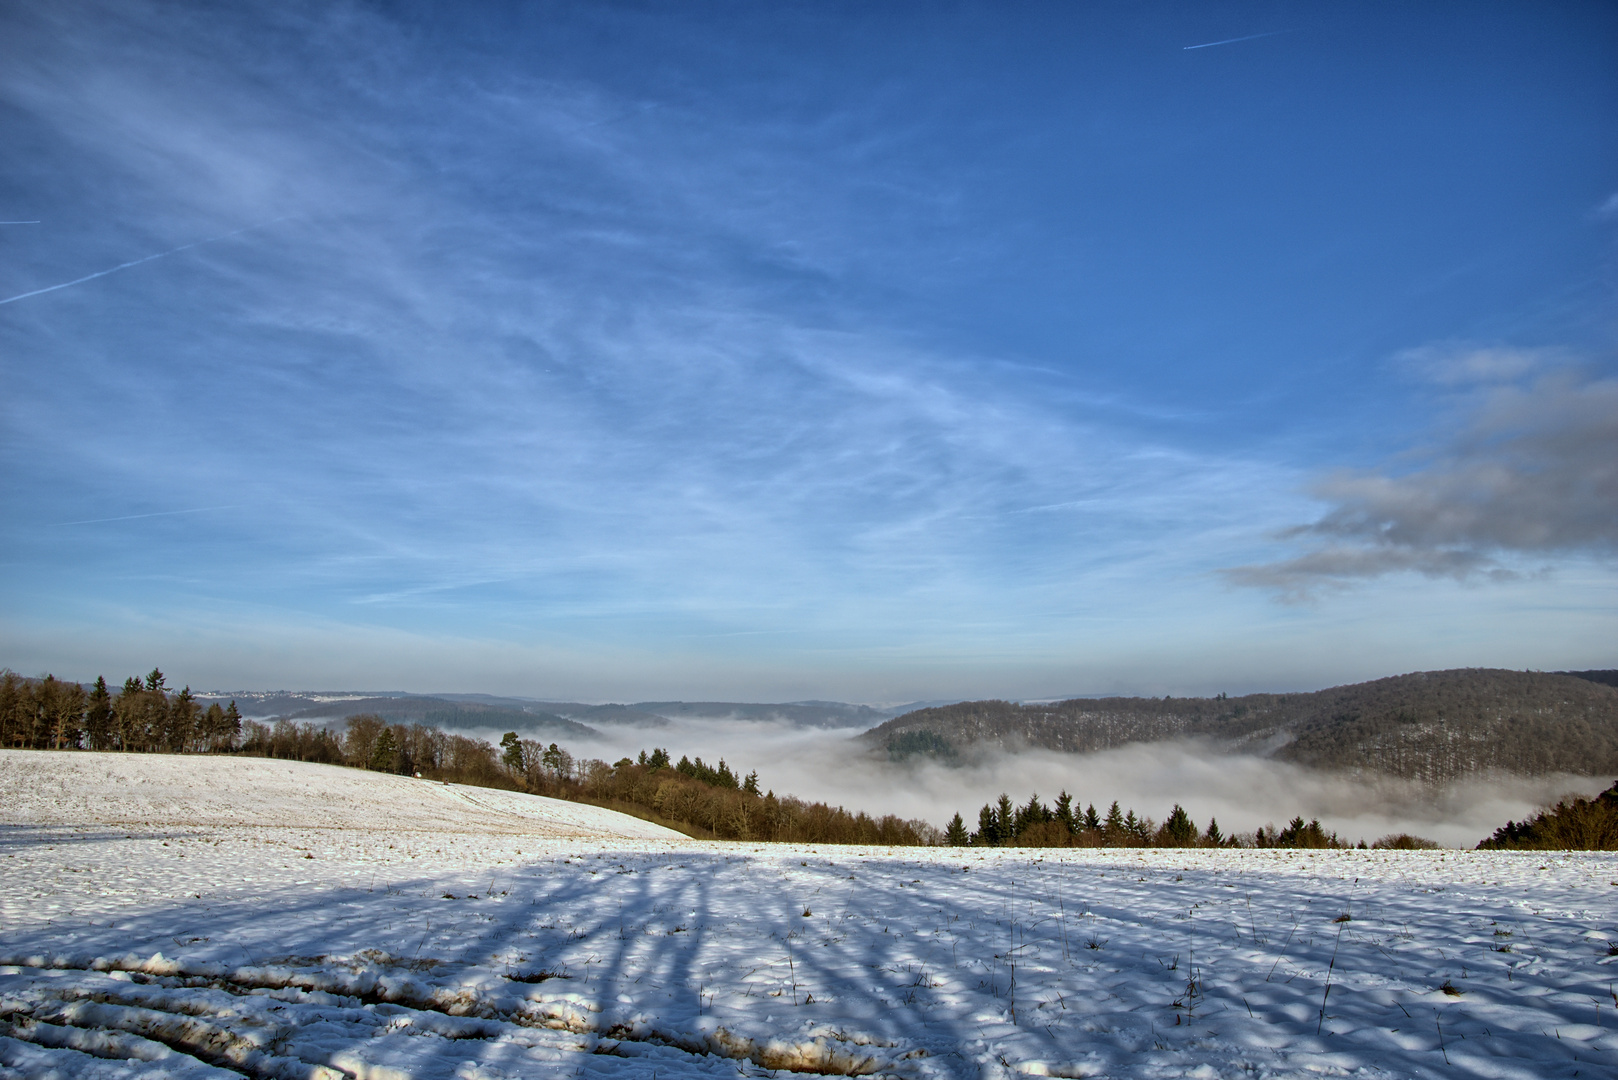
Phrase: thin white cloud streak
(133,262)
(97,274)
(1234,40)
(136,517)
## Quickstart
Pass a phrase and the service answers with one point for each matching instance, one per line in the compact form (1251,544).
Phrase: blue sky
(778,351)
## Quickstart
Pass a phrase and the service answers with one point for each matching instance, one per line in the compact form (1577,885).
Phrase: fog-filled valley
(1447,755)
(1242,791)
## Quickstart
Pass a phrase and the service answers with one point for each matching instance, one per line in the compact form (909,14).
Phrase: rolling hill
(1434,726)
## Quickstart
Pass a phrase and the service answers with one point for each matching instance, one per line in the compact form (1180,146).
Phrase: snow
(136,789)
(219,917)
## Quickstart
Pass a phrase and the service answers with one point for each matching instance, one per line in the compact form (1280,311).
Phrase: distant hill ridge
(1434,726)
(560,718)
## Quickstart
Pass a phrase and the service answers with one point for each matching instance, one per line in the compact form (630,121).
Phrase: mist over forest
(1445,755)
(1244,791)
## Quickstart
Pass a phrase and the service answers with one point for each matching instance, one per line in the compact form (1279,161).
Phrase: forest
(143,716)
(1063,824)
(1435,727)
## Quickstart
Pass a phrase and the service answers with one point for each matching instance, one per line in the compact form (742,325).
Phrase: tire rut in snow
(252,1021)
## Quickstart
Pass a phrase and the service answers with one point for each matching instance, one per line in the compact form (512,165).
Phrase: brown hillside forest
(1434,726)
(146,716)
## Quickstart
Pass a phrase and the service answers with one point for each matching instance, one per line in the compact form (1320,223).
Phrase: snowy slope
(45,788)
(218,949)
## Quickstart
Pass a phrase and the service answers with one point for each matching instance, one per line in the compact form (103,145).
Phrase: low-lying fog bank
(1241,791)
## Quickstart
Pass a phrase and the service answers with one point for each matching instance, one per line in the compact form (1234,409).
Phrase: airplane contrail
(133,262)
(1234,40)
(19,223)
(132,517)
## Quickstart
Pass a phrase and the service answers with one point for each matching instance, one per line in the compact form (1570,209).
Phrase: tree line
(691,796)
(1065,824)
(715,801)
(1576,824)
(144,716)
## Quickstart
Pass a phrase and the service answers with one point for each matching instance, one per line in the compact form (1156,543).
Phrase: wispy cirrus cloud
(1529,470)
(539,344)
(624,327)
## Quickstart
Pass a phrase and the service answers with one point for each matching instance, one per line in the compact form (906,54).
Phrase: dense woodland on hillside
(1431,726)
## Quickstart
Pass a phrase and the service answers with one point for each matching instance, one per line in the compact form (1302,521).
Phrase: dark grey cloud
(1530,471)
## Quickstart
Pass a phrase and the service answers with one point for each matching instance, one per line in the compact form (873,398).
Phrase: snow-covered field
(210,792)
(221,917)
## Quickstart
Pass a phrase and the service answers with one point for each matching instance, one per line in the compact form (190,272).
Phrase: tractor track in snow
(250,1021)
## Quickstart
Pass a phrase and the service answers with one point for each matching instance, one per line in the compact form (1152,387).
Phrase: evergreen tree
(98,716)
(1575,824)
(1064,812)
(751,786)
(154,715)
(988,834)
(1030,815)
(183,715)
(12,690)
(1213,836)
(1179,830)
(955,834)
(557,762)
(233,724)
(385,754)
(1113,830)
(659,759)
(1299,835)
(212,727)
(1005,820)
(511,757)
(1092,820)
